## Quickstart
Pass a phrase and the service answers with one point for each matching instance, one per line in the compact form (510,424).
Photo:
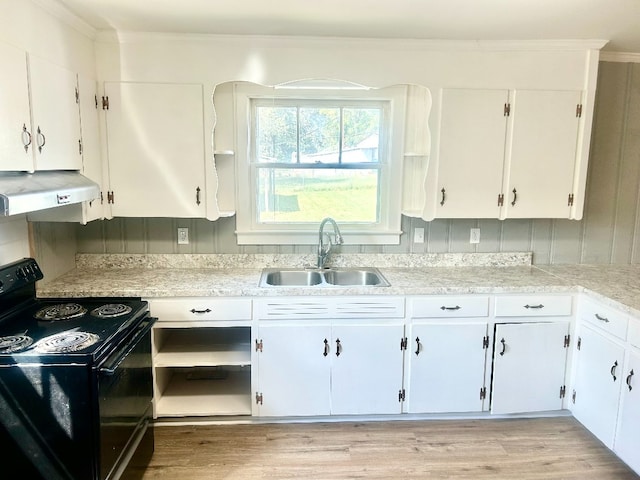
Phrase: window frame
(388,228)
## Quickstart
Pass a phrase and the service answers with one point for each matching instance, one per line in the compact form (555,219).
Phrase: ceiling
(615,20)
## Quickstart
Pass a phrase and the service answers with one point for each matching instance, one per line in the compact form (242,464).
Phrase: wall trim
(624,57)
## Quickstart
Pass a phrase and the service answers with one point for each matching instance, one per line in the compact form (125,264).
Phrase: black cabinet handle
(539,306)
(44,140)
(515,197)
(602,319)
(443,197)
(613,370)
(457,307)
(198,196)
(338,347)
(26,137)
(504,347)
(417,346)
(326,348)
(206,310)
(629,377)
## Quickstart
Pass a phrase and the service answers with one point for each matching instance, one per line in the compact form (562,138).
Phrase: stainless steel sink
(293,278)
(331,277)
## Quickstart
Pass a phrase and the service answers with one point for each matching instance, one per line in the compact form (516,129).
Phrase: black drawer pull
(504,347)
(629,380)
(539,306)
(457,307)
(206,310)
(602,319)
(613,370)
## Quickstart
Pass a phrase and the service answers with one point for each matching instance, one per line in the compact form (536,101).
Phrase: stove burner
(111,310)
(15,343)
(66,342)
(63,311)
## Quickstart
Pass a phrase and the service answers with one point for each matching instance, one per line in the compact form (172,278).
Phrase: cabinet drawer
(194,309)
(634,332)
(449,306)
(608,319)
(533,305)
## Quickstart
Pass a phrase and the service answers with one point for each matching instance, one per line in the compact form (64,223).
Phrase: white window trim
(386,232)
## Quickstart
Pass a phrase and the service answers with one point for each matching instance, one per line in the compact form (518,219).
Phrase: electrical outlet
(474,236)
(183,236)
(418,235)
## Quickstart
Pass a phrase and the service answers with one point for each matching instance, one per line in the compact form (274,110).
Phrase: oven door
(125,390)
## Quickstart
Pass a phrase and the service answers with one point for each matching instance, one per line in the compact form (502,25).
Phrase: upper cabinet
(508,154)
(155,149)
(15,119)
(39,121)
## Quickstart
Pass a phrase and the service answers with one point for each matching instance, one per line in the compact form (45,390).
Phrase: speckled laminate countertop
(104,276)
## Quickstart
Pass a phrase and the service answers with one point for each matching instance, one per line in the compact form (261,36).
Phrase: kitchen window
(307,154)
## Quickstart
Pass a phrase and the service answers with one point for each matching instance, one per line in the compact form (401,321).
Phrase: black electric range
(75,380)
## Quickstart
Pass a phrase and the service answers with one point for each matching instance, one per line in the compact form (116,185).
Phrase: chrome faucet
(324,250)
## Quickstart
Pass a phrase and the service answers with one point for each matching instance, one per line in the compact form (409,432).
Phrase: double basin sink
(322,277)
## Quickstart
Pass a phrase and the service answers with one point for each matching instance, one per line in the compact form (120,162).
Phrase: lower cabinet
(597,383)
(323,368)
(529,363)
(627,442)
(447,367)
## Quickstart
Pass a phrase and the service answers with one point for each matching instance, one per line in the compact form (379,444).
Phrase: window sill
(299,237)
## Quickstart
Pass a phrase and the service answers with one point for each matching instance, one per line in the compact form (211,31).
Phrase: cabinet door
(471,153)
(521,384)
(293,372)
(447,367)
(627,443)
(155,141)
(366,374)
(15,119)
(90,132)
(596,387)
(56,119)
(542,155)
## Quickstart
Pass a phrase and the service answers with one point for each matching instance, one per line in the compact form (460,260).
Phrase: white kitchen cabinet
(56,119)
(471,153)
(155,147)
(447,366)
(627,441)
(202,357)
(597,382)
(541,163)
(507,154)
(15,118)
(529,365)
(294,370)
(322,368)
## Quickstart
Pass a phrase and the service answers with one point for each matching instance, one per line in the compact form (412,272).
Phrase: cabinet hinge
(483,393)
(485,342)
(110,197)
(570,202)
(573,397)
(500,199)
(105,103)
(401,394)
(567,341)
(579,110)
(77,96)
(80,147)
(258,398)
(507,109)
(258,346)
(563,391)
(579,344)
(95,97)
(403,343)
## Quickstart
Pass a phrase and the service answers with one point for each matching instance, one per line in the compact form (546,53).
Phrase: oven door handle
(110,366)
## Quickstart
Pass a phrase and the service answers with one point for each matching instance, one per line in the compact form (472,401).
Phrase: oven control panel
(19,274)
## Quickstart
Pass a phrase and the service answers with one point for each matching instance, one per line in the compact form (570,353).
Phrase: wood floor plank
(521,449)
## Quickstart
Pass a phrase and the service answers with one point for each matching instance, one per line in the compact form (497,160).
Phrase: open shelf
(203,392)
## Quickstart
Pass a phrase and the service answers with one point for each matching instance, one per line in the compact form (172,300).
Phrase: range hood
(28,192)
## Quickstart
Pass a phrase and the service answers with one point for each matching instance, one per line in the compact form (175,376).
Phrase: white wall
(14,239)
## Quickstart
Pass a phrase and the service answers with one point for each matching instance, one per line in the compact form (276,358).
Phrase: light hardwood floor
(521,449)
